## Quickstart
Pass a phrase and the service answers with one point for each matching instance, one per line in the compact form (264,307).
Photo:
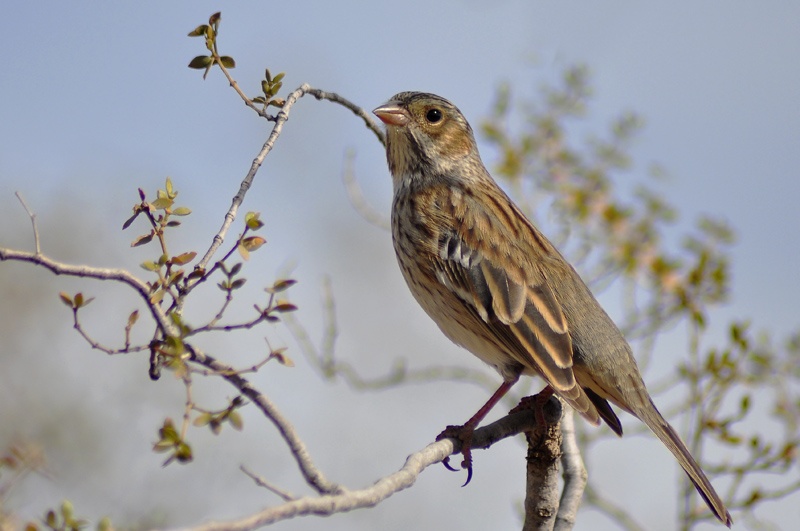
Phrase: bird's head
(425,134)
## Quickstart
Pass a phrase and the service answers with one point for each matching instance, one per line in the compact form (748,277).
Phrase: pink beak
(391,113)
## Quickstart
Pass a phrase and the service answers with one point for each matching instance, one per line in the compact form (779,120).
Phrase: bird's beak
(392,113)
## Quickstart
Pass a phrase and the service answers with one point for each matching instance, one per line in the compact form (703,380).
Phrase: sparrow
(496,286)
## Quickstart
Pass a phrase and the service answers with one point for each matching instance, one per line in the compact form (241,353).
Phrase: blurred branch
(612,510)
(313,476)
(575,475)
(356,196)
(261,482)
(323,358)
(32,215)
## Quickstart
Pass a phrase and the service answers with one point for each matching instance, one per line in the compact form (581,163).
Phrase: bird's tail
(650,416)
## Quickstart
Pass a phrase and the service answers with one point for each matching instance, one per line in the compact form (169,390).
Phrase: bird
(495,285)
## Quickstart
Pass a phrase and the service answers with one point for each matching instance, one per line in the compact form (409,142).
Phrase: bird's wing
(484,260)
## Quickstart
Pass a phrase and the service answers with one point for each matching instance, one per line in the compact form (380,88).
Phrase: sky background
(96,101)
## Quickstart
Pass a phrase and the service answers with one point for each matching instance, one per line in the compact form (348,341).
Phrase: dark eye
(433,115)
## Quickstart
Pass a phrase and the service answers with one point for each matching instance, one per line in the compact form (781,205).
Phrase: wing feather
(518,307)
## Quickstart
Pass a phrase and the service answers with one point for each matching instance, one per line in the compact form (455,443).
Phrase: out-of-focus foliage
(612,224)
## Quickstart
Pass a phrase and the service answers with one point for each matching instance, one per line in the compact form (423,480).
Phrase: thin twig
(32,215)
(356,196)
(280,119)
(313,476)
(613,511)
(261,482)
(119,275)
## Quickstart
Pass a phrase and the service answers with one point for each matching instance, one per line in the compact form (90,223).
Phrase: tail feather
(671,439)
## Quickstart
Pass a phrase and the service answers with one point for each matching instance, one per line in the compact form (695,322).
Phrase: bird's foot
(463,434)
(536,404)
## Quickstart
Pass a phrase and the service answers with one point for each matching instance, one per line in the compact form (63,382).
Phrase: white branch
(402,479)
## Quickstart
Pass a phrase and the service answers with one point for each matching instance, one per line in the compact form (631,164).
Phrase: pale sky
(97,101)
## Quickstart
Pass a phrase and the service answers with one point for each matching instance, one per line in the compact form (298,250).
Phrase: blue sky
(97,101)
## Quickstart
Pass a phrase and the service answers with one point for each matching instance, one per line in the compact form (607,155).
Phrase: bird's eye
(433,115)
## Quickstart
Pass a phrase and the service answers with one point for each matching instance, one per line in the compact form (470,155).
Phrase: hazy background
(96,100)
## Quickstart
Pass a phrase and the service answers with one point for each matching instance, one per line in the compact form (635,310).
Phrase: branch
(346,501)
(575,475)
(120,275)
(308,469)
(356,196)
(280,120)
(544,452)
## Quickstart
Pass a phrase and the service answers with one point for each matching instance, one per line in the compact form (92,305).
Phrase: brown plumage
(496,286)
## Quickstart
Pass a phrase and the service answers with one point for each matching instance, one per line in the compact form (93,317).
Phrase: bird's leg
(464,432)
(536,403)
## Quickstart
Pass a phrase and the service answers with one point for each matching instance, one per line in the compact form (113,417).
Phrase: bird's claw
(463,434)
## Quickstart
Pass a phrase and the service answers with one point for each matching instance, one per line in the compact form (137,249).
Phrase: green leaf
(162,203)
(132,318)
(184,258)
(168,431)
(284,306)
(235,420)
(141,240)
(67,510)
(182,211)
(202,419)
(252,220)
(201,61)
(66,299)
(282,358)
(238,283)
(80,302)
(199,31)
(253,243)
(282,285)
(227,61)
(149,265)
(157,297)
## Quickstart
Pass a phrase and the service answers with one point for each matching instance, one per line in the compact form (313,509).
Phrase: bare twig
(99,346)
(615,512)
(261,482)
(189,405)
(280,119)
(32,215)
(119,275)
(313,476)
(356,196)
